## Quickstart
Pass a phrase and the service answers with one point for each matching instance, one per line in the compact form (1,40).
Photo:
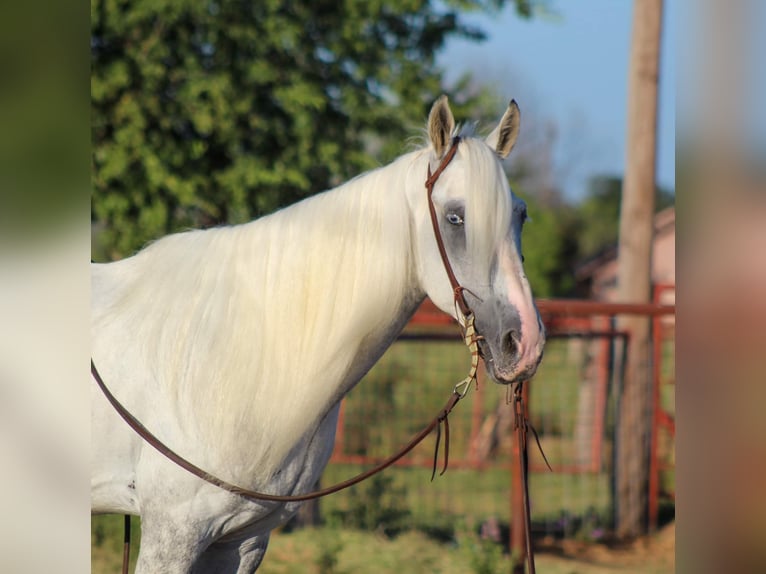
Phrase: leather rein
(436,422)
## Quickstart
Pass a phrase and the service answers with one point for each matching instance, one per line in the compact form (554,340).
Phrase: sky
(572,68)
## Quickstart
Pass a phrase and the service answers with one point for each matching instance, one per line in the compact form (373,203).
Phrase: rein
(458,393)
(256,496)
(521,426)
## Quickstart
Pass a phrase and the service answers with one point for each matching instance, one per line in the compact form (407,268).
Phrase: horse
(235,345)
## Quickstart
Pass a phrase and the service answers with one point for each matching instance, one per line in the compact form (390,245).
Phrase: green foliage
(43,114)
(376,505)
(485,556)
(378,406)
(106,541)
(549,246)
(559,236)
(219,111)
(599,213)
(330,546)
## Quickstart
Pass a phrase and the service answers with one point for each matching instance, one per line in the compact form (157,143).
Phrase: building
(596,278)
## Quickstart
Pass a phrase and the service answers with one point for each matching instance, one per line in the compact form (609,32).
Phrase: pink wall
(604,284)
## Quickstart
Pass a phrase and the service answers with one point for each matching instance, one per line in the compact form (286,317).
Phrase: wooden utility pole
(634,267)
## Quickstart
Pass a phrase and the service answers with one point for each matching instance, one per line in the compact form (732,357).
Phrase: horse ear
(441,124)
(503,137)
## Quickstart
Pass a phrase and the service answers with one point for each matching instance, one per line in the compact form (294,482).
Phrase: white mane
(236,320)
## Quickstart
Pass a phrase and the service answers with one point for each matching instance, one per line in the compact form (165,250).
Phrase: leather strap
(457,289)
(126,544)
(521,426)
(253,495)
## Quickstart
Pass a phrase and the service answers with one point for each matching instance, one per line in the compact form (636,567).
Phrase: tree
(219,111)
(634,266)
(549,245)
(599,213)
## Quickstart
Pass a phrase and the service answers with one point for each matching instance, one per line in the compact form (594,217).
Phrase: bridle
(457,289)
(441,417)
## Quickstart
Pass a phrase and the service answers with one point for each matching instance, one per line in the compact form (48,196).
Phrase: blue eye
(454,219)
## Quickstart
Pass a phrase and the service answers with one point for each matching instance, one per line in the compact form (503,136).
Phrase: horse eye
(522,259)
(454,219)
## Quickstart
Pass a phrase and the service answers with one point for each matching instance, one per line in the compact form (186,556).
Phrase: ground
(336,551)
(346,552)
(652,554)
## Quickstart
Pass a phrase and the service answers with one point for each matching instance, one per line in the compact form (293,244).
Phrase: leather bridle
(436,422)
(457,289)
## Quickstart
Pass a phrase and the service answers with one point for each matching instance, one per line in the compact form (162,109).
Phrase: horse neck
(316,293)
(353,258)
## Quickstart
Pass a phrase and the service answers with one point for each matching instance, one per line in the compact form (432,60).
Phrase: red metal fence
(662,452)
(571,403)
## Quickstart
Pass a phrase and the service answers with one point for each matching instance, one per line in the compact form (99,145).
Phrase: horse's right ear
(441,124)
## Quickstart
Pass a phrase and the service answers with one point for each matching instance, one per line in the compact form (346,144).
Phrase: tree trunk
(634,267)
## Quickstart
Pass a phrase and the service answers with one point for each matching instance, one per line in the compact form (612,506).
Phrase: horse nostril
(510,343)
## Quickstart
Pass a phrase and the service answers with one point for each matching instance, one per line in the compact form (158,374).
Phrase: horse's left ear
(503,137)
(441,124)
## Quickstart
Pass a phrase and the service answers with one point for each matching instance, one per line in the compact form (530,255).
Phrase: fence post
(518,535)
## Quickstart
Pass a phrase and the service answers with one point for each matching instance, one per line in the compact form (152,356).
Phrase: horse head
(479,220)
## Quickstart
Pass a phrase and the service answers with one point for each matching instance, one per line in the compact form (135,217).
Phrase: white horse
(235,345)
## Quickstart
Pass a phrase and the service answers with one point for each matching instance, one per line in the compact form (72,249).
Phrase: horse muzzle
(512,348)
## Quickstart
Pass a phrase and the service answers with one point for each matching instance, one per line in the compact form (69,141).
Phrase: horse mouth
(503,375)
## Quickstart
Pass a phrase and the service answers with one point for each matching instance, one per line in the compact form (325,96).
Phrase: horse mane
(251,328)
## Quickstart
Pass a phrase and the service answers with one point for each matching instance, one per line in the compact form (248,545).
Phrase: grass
(478,495)
(343,551)
(365,552)
(301,552)
(106,542)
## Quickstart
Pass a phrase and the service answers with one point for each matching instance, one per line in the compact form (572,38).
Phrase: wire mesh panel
(399,397)
(568,408)
(572,406)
